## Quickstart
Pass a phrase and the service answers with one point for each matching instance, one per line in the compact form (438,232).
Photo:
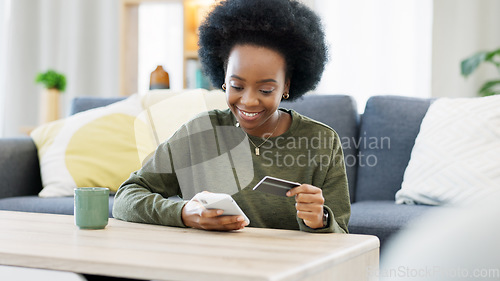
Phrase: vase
(49,105)
(159,79)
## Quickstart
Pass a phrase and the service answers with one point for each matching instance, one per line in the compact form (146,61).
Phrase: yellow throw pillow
(94,148)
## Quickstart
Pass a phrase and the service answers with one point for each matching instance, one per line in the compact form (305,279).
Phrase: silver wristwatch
(325,217)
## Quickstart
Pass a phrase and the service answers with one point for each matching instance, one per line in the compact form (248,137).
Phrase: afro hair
(286,26)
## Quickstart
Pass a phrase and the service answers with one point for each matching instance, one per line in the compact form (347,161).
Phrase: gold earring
(224,86)
(286,95)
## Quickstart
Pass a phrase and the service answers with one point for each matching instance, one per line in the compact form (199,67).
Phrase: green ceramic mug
(91,207)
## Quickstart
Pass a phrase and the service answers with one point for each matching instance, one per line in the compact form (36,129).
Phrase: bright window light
(160,42)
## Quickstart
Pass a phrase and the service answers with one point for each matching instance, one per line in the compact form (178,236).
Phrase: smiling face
(255,82)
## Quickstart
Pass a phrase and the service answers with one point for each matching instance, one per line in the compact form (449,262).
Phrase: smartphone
(221,201)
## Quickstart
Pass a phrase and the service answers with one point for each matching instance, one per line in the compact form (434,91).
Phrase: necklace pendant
(257,151)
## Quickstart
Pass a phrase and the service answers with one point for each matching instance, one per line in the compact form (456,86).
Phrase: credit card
(275,186)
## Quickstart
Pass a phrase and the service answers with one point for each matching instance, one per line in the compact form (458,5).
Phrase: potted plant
(470,64)
(54,84)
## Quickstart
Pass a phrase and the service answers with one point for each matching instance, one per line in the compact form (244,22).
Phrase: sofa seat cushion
(35,204)
(382,218)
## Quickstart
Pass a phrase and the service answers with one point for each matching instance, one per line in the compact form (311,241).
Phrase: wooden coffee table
(145,251)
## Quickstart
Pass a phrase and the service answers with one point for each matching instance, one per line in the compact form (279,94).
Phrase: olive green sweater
(211,153)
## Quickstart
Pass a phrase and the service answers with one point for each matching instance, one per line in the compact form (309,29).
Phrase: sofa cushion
(456,156)
(387,134)
(340,113)
(56,205)
(382,218)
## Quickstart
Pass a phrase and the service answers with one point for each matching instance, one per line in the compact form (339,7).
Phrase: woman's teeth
(249,114)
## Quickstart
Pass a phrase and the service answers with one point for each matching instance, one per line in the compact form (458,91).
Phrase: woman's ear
(287,85)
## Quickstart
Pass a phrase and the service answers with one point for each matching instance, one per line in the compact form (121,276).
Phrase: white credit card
(275,186)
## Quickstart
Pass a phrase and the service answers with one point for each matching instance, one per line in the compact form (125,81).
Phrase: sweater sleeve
(336,194)
(144,196)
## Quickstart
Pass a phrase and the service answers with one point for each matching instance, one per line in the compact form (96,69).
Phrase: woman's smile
(249,115)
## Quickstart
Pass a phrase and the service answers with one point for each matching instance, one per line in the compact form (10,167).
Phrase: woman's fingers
(310,198)
(308,207)
(212,213)
(304,188)
(212,220)
(311,218)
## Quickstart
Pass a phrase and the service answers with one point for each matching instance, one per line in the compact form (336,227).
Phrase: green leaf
(492,54)
(52,80)
(471,63)
(490,88)
(494,57)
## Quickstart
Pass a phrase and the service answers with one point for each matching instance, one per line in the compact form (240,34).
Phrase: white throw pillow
(456,155)
(165,111)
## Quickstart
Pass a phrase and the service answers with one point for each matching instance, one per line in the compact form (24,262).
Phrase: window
(160,42)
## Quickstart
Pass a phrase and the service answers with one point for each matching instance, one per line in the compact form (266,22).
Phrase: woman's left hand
(309,204)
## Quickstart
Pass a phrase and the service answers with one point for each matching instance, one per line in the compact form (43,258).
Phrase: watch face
(325,217)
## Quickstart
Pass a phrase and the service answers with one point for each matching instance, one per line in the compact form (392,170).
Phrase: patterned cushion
(456,155)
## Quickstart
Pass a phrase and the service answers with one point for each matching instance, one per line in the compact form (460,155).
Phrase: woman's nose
(249,98)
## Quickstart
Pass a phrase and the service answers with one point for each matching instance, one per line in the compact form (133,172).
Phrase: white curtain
(4,20)
(76,37)
(377,47)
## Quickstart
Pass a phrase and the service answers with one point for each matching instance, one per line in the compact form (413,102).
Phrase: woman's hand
(309,204)
(196,216)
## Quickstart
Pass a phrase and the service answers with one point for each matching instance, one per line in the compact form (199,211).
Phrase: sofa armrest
(19,167)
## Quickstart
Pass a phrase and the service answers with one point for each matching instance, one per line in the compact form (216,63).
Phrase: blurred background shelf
(193,13)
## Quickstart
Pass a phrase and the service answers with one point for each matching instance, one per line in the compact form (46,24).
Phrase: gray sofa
(377,147)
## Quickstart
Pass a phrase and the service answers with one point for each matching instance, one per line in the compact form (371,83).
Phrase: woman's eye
(267,91)
(236,88)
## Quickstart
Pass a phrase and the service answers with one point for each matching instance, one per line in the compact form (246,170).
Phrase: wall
(460,29)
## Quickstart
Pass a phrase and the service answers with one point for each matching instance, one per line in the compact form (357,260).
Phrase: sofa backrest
(377,148)
(388,129)
(20,171)
(339,112)
(80,104)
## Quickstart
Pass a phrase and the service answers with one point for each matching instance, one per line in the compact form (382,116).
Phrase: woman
(259,52)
